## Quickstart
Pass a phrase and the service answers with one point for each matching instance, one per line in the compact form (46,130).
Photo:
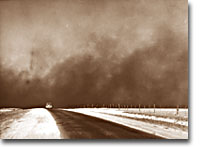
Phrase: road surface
(40,123)
(78,126)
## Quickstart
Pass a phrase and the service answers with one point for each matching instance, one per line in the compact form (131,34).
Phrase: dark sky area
(73,52)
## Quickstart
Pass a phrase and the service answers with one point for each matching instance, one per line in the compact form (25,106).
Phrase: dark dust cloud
(74,52)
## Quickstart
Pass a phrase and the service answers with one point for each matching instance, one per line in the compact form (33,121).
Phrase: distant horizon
(100,106)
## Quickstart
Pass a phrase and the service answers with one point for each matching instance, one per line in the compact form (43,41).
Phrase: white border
(194,105)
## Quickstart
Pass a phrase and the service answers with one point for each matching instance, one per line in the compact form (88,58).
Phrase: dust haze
(74,52)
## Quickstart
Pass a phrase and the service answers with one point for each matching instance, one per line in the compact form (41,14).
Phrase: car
(48,105)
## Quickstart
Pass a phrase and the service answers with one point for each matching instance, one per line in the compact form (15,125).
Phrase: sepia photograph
(94,69)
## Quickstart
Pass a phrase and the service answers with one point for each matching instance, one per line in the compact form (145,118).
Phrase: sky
(93,52)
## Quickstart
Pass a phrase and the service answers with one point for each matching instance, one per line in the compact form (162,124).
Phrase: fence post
(119,106)
(177,109)
(139,107)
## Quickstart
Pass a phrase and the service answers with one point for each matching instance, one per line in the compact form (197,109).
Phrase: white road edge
(159,130)
(35,124)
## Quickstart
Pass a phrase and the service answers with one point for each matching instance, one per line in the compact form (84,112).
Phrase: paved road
(78,126)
